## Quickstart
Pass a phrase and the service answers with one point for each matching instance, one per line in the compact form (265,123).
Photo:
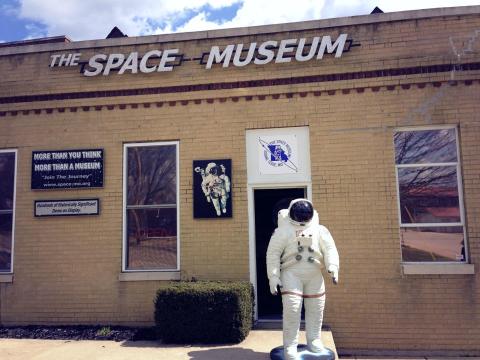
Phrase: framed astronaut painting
(212,189)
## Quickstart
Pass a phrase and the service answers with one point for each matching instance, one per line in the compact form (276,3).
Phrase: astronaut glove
(333,271)
(274,282)
(208,198)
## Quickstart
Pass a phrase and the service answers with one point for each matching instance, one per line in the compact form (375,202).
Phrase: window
(430,196)
(151,207)
(7,207)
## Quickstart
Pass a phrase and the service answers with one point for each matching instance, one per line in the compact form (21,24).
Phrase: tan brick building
(376,121)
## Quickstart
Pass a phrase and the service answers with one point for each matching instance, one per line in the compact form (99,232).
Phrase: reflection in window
(429,194)
(431,219)
(7,175)
(151,212)
(433,244)
(425,146)
(7,185)
(152,175)
(6,224)
(152,238)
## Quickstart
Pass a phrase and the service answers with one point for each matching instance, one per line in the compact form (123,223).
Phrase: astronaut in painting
(297,250)
(215,186)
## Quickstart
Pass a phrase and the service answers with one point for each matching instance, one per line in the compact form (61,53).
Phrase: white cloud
(260,12)
(93,19)
(257,12)
(389,6)
(336,8)
(8,9)
(34,32)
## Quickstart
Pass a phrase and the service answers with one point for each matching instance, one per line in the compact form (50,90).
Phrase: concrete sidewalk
(257,346)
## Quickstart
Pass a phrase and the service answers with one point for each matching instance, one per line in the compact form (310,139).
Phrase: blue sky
(93,19)
(11,27)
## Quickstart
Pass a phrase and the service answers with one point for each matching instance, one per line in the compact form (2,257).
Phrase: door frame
(251,224)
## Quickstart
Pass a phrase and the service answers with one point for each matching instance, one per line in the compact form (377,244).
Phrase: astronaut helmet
(300,212)
(212,168)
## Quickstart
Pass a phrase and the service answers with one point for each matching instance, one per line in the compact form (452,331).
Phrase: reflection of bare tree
(444,178)
(426,187)
(428,191)
(151,181)
(7,177)
(427,146)
(151,175)
(7,173)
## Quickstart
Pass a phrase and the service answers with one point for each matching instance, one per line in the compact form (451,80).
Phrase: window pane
(6,242)
(433,244)
(152,175)
(7,173)
(425,146)
(152,239)
(429,194)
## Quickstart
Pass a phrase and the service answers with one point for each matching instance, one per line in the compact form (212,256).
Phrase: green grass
(104,331)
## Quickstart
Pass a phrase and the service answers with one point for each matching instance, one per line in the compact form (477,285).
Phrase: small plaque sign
(66,207)
(67,169)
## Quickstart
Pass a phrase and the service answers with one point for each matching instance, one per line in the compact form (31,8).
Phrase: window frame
(13,211)
(126,146)
(457,164)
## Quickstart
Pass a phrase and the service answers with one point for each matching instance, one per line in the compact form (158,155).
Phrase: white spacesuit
(216,187)
(297,250)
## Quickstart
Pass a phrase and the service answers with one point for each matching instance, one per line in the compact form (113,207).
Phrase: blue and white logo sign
(278,155)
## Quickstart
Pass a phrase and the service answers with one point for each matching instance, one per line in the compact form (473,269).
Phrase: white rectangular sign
(278,155)
(66,207)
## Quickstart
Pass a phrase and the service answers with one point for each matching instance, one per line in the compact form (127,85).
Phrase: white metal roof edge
(246,31)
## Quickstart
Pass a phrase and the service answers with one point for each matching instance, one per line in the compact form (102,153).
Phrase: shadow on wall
(228,353)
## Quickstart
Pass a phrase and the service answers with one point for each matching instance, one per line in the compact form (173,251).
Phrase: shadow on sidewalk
(228,353)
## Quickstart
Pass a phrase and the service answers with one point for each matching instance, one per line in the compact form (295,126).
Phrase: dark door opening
(267,204)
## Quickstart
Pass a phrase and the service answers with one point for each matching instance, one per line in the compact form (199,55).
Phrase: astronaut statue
(298,248)
(215,186)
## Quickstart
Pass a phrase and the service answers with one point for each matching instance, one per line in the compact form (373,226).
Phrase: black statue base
(303,354)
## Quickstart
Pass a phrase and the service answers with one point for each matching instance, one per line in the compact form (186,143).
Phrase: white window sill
(149,276)
(438,269)
(6,278)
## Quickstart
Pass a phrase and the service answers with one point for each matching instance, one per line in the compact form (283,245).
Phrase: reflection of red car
(444,212)
(434,191)
(432,204)
(157,233)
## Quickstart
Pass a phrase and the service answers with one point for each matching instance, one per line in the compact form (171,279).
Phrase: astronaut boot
(292,306)
(223,203)
(216,204)
(313,323)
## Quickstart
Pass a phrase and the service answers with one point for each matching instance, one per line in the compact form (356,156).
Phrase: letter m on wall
(327,45)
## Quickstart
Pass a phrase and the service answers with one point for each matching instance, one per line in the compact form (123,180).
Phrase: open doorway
(267,204)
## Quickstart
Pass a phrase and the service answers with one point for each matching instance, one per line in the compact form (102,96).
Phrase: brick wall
(66,269)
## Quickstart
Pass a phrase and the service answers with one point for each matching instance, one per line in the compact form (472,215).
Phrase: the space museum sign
(238,55)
